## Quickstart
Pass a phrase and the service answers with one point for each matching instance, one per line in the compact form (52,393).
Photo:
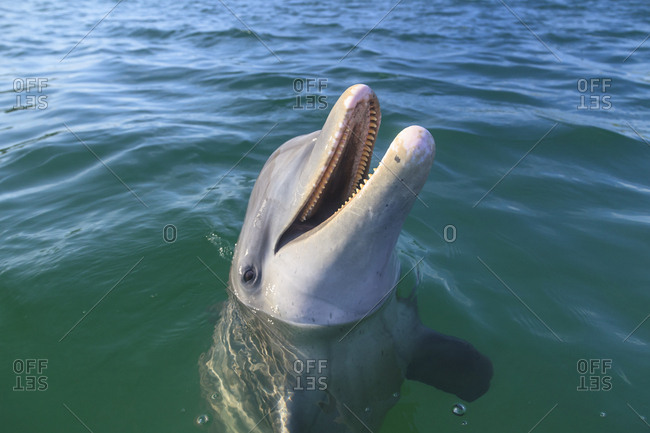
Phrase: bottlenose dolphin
(314,337)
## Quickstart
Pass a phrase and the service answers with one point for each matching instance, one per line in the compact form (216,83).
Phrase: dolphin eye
(249,274)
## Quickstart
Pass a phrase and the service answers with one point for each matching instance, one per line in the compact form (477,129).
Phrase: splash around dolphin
(314,337)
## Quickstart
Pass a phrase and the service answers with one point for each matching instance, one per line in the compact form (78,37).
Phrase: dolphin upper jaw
(338,161)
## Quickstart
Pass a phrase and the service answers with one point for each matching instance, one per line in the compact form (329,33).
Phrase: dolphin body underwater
(313,337)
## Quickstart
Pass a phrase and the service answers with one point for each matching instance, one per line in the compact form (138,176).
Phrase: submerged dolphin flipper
(449,364)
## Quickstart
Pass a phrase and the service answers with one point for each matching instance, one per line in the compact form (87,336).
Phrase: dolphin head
(317,244)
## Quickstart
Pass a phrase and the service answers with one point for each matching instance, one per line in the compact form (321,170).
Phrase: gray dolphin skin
(313,337)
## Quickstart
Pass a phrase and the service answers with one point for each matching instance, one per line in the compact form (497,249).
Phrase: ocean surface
(131,134)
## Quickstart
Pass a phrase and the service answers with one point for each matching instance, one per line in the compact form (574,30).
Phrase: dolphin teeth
(348,133)
(310,207)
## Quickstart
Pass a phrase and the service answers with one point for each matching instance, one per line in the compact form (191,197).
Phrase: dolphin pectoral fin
(450,364)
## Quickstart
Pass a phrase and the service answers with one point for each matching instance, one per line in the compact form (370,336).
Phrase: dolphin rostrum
(314,337)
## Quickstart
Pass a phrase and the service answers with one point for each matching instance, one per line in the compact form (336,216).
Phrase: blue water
(120,120)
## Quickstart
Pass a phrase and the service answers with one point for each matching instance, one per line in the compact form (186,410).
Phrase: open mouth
(347,169)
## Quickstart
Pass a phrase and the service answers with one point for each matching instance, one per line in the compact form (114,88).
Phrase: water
(533,226)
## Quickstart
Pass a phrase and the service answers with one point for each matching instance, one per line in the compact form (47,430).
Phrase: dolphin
(313,337)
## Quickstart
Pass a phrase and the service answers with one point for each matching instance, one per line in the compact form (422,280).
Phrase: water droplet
(603,414)
(464,422)
(215,396)
(367,409)
(459,409)
(202,419)
(396,394)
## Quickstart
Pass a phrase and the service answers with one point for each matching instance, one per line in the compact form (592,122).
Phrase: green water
(534,223)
